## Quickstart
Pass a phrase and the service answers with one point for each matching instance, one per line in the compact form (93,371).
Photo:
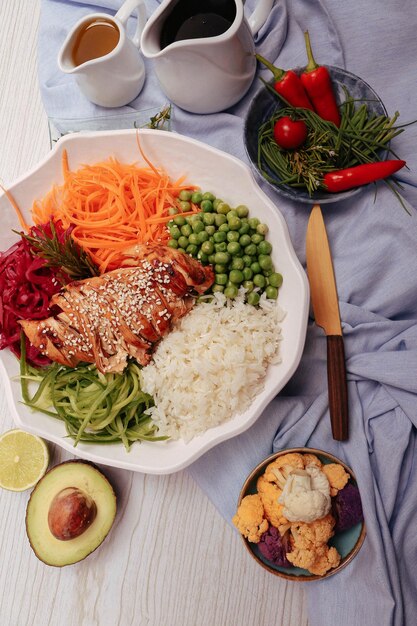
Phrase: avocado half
(77,477)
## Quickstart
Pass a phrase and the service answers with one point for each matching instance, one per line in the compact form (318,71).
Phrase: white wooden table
(171,559)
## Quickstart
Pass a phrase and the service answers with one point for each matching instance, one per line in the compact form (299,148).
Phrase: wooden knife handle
(336,378)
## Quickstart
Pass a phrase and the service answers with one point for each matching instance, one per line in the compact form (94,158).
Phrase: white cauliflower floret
(306,495)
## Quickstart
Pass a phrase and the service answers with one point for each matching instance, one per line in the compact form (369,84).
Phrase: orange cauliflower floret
(317,561)
(309,536)
(301,558)
(269,494)
(326,558)
(337,477)
(277,471)
(311,459)
(250,519)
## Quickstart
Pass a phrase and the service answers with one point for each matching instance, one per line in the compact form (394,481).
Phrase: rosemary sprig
(158,121)
(61,253)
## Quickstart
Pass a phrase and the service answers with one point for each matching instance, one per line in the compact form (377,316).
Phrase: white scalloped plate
(212,170)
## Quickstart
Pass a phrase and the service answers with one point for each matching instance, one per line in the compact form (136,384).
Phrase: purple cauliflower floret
(347,508)
(274,547)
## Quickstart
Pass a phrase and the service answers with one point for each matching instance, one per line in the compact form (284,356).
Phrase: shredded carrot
(112,206)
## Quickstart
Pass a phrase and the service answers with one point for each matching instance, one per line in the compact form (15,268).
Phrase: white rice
(212,365)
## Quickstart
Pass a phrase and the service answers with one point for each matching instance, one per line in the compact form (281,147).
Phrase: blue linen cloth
(374,247)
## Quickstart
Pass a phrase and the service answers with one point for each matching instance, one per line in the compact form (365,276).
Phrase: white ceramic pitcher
(116,78)
(210,73)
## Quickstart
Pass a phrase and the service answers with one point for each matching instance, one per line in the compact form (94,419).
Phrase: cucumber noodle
(95,407)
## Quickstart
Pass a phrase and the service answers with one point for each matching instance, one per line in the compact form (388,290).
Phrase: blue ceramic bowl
(347,543)
(265,104)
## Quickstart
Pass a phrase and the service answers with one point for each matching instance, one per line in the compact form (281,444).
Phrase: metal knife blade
(325,303)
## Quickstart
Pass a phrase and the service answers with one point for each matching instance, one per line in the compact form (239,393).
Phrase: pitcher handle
(259,15)
(124,13)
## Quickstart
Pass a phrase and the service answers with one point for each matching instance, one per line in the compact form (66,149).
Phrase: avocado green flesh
(87,478)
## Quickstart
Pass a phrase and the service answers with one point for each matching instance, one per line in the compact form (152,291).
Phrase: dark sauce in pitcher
(192,19)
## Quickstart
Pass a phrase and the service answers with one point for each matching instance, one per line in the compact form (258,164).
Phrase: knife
(326,312)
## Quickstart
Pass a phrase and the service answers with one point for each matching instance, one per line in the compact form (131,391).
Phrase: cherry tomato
(290,134)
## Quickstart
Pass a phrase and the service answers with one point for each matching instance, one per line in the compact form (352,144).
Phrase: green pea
(175,232)
(236,276)
(244,229)
(221,279)
(173,243)
(233,247)
(183,242)
(265,261)
(234,223)
(223,208)
(253,222)
(232,213)
(222,257)
(179,220)
(247,260)
(238,264)
(271,292)
(220,247)
(211,258)
(262,229)
(259,280)
(207,247)
(256,268)
(232,235)
(210,230)
(219,236)
(207,206)
(247,273)
(191,249)
(217,288)
(193,239)
(203,236)
(264,247)
(186,230)
(251,249)
(219,219)
(209,196)
(256,238)
(196,197)
(275,280)
(231,291)
(242,210)
(184,194)
(248,286)
(224,228)
(216,203)
(197,226)
(220,268)
(185,206)
(253,298)
(244,240)
(173,210)
(203,257)
(208,219)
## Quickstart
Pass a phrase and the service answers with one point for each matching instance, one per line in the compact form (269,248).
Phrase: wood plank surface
(171,559)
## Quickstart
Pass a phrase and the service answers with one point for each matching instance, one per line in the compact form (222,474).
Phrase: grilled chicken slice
(195,275)
(123,313)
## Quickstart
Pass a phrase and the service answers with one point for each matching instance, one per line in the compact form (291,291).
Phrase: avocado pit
(71,512)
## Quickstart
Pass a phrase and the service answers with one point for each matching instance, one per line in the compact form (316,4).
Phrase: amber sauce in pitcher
(95,39)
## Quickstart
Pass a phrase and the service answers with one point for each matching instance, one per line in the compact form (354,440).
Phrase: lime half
(24,460)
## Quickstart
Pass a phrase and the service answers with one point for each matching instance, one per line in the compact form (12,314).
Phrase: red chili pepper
(288,85)
(340,180)
(318,85)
